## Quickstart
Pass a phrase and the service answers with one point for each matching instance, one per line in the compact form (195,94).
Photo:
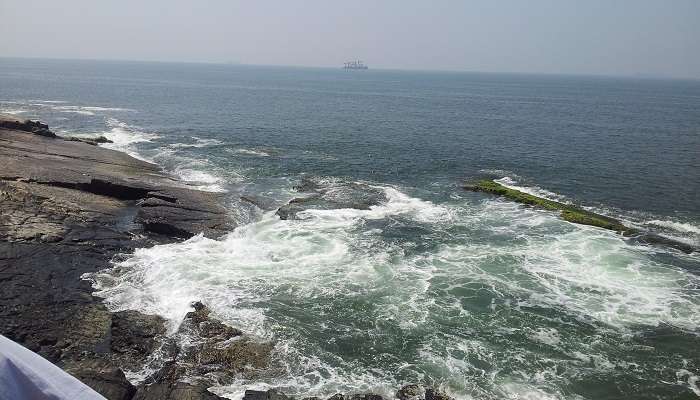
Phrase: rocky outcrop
(577,215)
(68,208)
(215,353)
(329,195)
(162,205)
(36,127)
(135,335)
(411,392)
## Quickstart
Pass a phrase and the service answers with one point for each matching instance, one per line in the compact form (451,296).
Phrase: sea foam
(331,276)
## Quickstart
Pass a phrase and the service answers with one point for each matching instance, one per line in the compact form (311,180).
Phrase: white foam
(251,152)
(398,203)
(91,108)
(313,257)
(256,277)
(124,137)
(12,111)
(83,110)
(201,180)
(520,391)
(533,190)
(199,142)
(195,173)
(676,226)
(689,379)
(549,336)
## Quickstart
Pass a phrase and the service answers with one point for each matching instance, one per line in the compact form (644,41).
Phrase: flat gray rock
(68,208)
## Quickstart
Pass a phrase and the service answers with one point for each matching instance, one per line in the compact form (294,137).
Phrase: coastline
(70,208)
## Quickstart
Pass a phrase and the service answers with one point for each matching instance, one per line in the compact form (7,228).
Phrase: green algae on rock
(577,215)
(569,212)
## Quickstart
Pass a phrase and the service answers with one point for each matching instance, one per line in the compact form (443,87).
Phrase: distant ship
(355,65)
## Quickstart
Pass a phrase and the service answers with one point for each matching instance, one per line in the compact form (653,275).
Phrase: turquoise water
(484,297)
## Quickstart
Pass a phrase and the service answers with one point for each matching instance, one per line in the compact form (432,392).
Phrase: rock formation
(67,208)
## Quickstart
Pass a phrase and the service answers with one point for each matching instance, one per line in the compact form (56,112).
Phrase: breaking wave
(533,190)
(251,152)
(199,143)
(124,137)
(356,304)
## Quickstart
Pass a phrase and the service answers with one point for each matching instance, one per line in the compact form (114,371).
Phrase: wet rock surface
(68,208)
(319,194)
(411,392)
(214,354)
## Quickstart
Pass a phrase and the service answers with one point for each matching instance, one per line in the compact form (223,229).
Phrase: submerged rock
(655,239)
(576,214)
(331,195)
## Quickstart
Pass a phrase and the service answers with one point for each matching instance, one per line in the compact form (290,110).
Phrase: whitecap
(548,336)
(676,226)
(201,180)
(83,110)
(93,108)
(199,142)
(125,137)
(251,152)
(511,183)
(12,111)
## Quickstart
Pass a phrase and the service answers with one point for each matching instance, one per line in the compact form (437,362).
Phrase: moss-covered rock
(569,212)
(578,215)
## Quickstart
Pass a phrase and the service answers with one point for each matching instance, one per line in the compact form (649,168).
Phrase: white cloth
(25,375)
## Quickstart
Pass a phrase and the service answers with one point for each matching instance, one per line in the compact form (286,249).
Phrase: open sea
(483,297)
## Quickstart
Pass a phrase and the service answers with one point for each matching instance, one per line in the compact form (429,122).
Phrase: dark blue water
(625,143)
(486,298)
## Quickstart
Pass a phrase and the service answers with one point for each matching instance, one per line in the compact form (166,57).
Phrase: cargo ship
(355,65)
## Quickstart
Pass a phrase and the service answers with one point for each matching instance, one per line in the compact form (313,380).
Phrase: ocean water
(483,297)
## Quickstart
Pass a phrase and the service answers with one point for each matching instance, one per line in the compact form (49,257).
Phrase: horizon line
(639,76)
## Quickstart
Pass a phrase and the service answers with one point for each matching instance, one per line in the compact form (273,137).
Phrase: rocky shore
(69,207)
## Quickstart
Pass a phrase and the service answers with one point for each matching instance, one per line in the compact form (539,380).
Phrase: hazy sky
(618,37)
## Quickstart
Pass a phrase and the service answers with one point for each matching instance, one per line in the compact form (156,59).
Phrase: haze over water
(482,296)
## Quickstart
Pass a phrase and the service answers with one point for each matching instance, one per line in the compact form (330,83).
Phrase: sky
(609,37)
